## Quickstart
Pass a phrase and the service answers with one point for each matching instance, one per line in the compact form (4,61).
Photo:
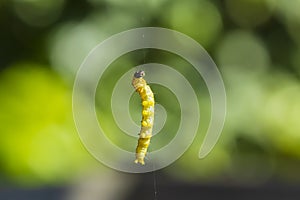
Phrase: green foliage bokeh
(254,43)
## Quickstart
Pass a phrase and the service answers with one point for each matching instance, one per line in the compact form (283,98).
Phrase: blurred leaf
(39,142)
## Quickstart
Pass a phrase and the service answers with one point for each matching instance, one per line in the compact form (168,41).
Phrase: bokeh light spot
(200,20)
(38,12)
(240,49)
(249,13)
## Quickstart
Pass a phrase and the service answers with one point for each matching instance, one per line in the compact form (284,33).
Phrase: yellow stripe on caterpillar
(147,97)
(145,113)
(145,103)
(148,103)
(144,123)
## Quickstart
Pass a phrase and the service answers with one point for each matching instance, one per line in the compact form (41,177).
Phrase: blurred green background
(255,44)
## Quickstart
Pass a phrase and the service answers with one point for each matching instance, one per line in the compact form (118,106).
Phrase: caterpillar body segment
(147,97)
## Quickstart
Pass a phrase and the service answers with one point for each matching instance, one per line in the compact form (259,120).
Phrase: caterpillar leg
(140,159)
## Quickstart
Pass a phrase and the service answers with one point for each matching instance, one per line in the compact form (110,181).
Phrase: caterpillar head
(139,74)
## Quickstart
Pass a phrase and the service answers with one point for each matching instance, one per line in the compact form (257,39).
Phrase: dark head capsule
(139,74)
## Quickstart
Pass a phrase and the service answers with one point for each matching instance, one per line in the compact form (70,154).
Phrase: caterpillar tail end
(141,161)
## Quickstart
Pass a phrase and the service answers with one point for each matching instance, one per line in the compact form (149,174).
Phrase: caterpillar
(146,94)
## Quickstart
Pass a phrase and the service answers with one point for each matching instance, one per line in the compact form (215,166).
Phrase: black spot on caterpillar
(147,97)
